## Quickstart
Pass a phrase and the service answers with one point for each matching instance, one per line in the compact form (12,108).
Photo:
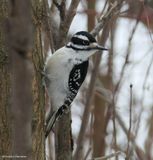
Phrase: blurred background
(112,116)
(126,74)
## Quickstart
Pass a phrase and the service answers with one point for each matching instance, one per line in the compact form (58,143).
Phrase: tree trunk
(5,143)
(63,134)
(38,120)
(19,33)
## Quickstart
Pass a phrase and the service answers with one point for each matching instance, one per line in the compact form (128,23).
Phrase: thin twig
(149,142)
(139,151)
(71,12)
(142,107)
(114,125)
(104,93)
(143,95)
(130,123)
(56,4)
(110,73)
(128,53)
(108,156)
(87,154)
(61,7)
(104,19)
(102,12)
(148,24)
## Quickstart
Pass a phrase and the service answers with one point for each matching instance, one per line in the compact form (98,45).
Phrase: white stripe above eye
(77,46)
(81,37)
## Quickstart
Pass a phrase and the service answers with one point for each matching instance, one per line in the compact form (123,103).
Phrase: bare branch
(127,53)
(56,4)
(88,152)
(65,24)
(130,124)
(109,156)
(139,151)
(49,26)
(104,19)
(71,12)
(104,93)
(61,8)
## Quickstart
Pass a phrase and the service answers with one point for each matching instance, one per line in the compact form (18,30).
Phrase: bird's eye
(85,42)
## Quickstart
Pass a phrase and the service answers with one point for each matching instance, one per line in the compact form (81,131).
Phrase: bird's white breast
(57,71)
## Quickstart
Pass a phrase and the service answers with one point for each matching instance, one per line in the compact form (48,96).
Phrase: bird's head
(84,41)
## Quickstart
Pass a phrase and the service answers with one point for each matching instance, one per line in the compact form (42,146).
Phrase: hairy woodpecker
(65,72)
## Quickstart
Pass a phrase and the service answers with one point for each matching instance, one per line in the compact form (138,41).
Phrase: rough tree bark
(38,120)
(4,86)
(19,41)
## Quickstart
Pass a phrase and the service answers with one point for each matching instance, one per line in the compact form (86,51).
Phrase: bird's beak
(101,47)
(97,47)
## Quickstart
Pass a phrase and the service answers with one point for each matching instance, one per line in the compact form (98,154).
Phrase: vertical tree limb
(19,40)
(5,141)
(48,25)
(65,24)
(86,114)
(38,119)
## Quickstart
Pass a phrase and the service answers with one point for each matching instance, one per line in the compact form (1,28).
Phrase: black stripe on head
(82,38)
(88,35)
(79,41)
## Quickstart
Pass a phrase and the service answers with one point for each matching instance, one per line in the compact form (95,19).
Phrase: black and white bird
(65,72)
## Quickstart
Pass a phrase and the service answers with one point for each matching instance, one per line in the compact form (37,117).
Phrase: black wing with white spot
(76,78)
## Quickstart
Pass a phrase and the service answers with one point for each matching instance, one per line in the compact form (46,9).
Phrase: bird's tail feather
(51,123)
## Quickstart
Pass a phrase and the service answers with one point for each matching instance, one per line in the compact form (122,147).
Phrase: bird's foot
(66,109)
(63,110)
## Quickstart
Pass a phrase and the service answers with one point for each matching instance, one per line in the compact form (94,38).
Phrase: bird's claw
(63,110)
(66,109)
